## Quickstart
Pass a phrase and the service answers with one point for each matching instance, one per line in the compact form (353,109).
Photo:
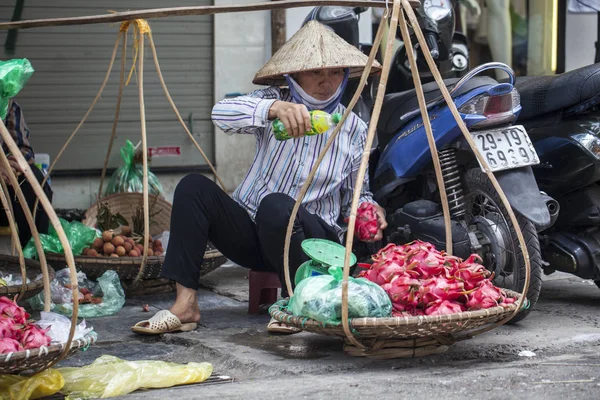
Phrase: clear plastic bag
(79,235)
(46,383)
(59,327)
(108,287)
(110,376)
(14,74)
(129,177)
(320,298)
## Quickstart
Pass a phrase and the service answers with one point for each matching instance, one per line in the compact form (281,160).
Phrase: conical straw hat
(315,46)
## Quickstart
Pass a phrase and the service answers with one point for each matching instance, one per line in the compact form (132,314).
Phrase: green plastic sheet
(14,74)
(79,236)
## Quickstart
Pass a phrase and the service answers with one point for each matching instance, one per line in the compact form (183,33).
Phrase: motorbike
(562,115)
(448,47)
(402,176)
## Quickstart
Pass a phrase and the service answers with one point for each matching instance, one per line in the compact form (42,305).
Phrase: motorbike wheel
(503,255)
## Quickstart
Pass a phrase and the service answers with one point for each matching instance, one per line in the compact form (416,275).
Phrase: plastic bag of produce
(320,298)
(14,74)
(96,300)
(79,235)
(129,177)
(110,376)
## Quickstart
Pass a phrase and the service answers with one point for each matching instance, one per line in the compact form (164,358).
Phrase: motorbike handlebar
(431,40)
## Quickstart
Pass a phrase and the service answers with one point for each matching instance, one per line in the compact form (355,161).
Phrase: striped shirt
(283,166)
(16,126)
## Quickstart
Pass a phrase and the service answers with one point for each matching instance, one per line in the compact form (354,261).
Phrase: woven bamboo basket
(128,267)
(36,360)
(404,336)
(10,265)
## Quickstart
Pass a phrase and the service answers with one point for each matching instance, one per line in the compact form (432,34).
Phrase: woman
(249,227)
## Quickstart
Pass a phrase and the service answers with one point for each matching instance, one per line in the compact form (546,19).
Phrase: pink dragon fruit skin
(8,345)
(35,337)
(8,329)
(10,309)
(444,307)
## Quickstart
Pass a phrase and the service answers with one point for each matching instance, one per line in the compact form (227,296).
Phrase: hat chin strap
(329,105)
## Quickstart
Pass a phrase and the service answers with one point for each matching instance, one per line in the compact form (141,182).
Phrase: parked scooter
(562,115)
(403,180)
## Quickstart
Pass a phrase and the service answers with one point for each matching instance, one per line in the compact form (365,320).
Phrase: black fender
(524,195)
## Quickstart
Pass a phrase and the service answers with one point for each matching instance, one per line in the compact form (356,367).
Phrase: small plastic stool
(263,289)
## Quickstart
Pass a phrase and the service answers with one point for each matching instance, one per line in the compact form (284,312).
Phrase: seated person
(249,228)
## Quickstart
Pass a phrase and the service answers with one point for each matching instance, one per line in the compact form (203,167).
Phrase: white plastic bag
(60,327)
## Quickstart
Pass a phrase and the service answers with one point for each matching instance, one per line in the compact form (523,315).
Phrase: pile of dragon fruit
(421,280)
(17,333)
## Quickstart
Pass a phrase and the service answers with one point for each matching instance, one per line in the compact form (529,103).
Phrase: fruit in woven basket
(10,309)
(423,281)
(92,253)
(127,246)
(107,236)
(134,253)
(98,243)
(34,337)
(108,249)
(120,251)
(114,255)
(126,230)
(8,345)
(118,241)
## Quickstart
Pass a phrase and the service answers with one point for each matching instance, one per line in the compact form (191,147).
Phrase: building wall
(581,36)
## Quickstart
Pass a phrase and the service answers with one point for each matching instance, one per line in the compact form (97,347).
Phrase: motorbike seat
(545,94)
(396,105)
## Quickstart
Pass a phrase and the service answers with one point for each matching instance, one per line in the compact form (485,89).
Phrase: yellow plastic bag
(110,376)
(46,383)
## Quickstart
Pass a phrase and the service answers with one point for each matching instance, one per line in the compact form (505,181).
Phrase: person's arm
(245,114)
(349,184)
(16,126)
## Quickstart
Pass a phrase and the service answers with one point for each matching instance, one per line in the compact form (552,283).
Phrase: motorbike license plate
(506,148)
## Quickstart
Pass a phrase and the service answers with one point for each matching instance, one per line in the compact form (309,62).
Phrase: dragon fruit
(35,337)
(8,345)
(8,328)
(10,309)
(443,307)
(367,225)
(421,280)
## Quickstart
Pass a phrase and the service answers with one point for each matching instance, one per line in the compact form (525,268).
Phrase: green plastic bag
(108,286)
(320,298)
(14,74)
(109,376)
(128,178)
(79,236)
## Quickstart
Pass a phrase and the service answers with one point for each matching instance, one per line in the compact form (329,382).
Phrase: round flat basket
(10,265)
(397,337)
(38,359)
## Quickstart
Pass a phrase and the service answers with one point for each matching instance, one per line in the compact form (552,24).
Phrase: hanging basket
(401,336)
(36,360)
(10,265)
(128,267)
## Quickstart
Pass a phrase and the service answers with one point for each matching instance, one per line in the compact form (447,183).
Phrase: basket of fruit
(25,346)
(120,248)
(11,280)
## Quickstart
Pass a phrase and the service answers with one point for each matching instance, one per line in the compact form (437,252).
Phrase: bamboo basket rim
(280,313)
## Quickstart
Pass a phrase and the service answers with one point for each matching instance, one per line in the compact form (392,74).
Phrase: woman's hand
(15,170)
(295,117)
(381,222)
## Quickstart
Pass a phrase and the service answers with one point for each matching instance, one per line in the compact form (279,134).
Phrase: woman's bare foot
(186,305)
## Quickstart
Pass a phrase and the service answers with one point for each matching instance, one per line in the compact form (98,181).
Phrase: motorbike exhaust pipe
(553,207)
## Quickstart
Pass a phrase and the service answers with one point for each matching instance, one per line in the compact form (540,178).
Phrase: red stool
(263,289)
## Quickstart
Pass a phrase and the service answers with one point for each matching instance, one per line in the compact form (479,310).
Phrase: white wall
(581,36)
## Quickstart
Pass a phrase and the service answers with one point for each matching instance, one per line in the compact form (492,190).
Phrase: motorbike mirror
(360,10)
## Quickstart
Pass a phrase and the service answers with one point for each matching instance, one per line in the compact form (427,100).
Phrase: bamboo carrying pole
(37,188)
(14,232)
(186,11)
(14,182)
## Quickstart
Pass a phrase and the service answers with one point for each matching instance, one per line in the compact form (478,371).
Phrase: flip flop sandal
(275,326)
(163,321)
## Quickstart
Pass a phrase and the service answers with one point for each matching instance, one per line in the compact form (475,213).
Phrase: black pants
(41,218)
(203,212)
